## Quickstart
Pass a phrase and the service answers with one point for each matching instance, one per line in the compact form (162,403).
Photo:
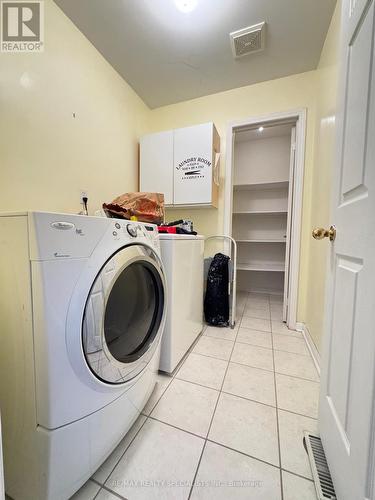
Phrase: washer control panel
(140,230)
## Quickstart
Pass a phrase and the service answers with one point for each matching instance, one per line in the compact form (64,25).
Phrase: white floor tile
(162,382)
(290,344)
(88,491)
(102,474)
(250,383)
(295,365)
(217,348)
(259,481)
(254,337)
(293,454)
(246,426)
(203,370)
(239,308)
(226,333)
(297,395)
(257,357)
(276,312)
(257,298)
(187,406)
(296,488)
(281,328)
(263,325)
(106,495)
(159,456)
(258,303)
(256,312)
(276,299)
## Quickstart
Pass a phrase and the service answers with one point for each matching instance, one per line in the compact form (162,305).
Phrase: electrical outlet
(83,195)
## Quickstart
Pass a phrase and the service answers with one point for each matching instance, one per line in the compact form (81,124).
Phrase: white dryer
(82,310)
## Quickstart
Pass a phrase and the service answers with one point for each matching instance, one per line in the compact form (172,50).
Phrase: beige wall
(327,77)
(46,155)
(297,91)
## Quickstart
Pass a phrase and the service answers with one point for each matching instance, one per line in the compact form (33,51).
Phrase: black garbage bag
(216,301)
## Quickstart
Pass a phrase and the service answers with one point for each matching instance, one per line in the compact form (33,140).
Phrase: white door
(289,223)
(347,402)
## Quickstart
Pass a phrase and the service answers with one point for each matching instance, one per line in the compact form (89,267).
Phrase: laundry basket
(232,263)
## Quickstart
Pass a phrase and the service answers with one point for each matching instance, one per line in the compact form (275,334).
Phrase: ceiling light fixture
(260,129)
(186,6)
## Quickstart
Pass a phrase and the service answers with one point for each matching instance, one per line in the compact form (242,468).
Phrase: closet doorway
(265,162)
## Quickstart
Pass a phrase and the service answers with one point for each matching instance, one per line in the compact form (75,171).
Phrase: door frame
(299,115)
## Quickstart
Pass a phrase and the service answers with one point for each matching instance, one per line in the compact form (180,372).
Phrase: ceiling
(169,56)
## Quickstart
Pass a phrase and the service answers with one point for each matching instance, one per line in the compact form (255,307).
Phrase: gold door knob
(319,233)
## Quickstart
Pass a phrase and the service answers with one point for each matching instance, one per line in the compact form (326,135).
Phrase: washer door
(124,315)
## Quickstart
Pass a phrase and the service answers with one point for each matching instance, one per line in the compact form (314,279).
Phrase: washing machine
(82,311)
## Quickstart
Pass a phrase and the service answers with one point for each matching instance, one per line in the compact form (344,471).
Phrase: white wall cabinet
(156,158)
(182,164)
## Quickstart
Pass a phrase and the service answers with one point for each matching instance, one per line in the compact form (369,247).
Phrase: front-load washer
(82,310)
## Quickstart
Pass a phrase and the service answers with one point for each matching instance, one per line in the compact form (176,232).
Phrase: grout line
(272,371)
(298,475)
(213,414)
(253,344)
(176,427)
(212,357)
(296,376)
(110,491)
(277,417)
(198,384)
(296,353)
(243,453)
(294,413)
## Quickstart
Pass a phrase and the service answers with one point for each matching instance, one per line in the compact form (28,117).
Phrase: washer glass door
(123,316)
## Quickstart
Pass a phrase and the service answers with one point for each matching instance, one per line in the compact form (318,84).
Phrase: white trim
(300,116)
(301,327)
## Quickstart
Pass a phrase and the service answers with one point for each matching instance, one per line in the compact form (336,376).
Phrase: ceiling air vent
(248,40)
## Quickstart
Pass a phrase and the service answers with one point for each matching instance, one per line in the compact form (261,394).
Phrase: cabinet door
(156,164)
(192,166)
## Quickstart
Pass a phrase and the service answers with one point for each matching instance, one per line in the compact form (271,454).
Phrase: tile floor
(231,419)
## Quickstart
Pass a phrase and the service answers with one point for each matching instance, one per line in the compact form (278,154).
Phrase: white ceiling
(169,56)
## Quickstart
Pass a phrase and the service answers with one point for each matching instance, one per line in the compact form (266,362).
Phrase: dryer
(82,311)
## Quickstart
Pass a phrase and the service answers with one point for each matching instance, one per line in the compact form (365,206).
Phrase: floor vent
(319,467)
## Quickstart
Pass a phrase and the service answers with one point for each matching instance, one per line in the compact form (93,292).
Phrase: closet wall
(260,207)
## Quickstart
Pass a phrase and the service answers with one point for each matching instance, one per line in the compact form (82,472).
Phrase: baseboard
(301,327)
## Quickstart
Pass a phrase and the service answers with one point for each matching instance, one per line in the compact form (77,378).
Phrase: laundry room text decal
(193,168)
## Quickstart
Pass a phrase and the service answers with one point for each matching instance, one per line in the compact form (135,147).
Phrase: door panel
(346,415)
(358,63)
(343,331)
